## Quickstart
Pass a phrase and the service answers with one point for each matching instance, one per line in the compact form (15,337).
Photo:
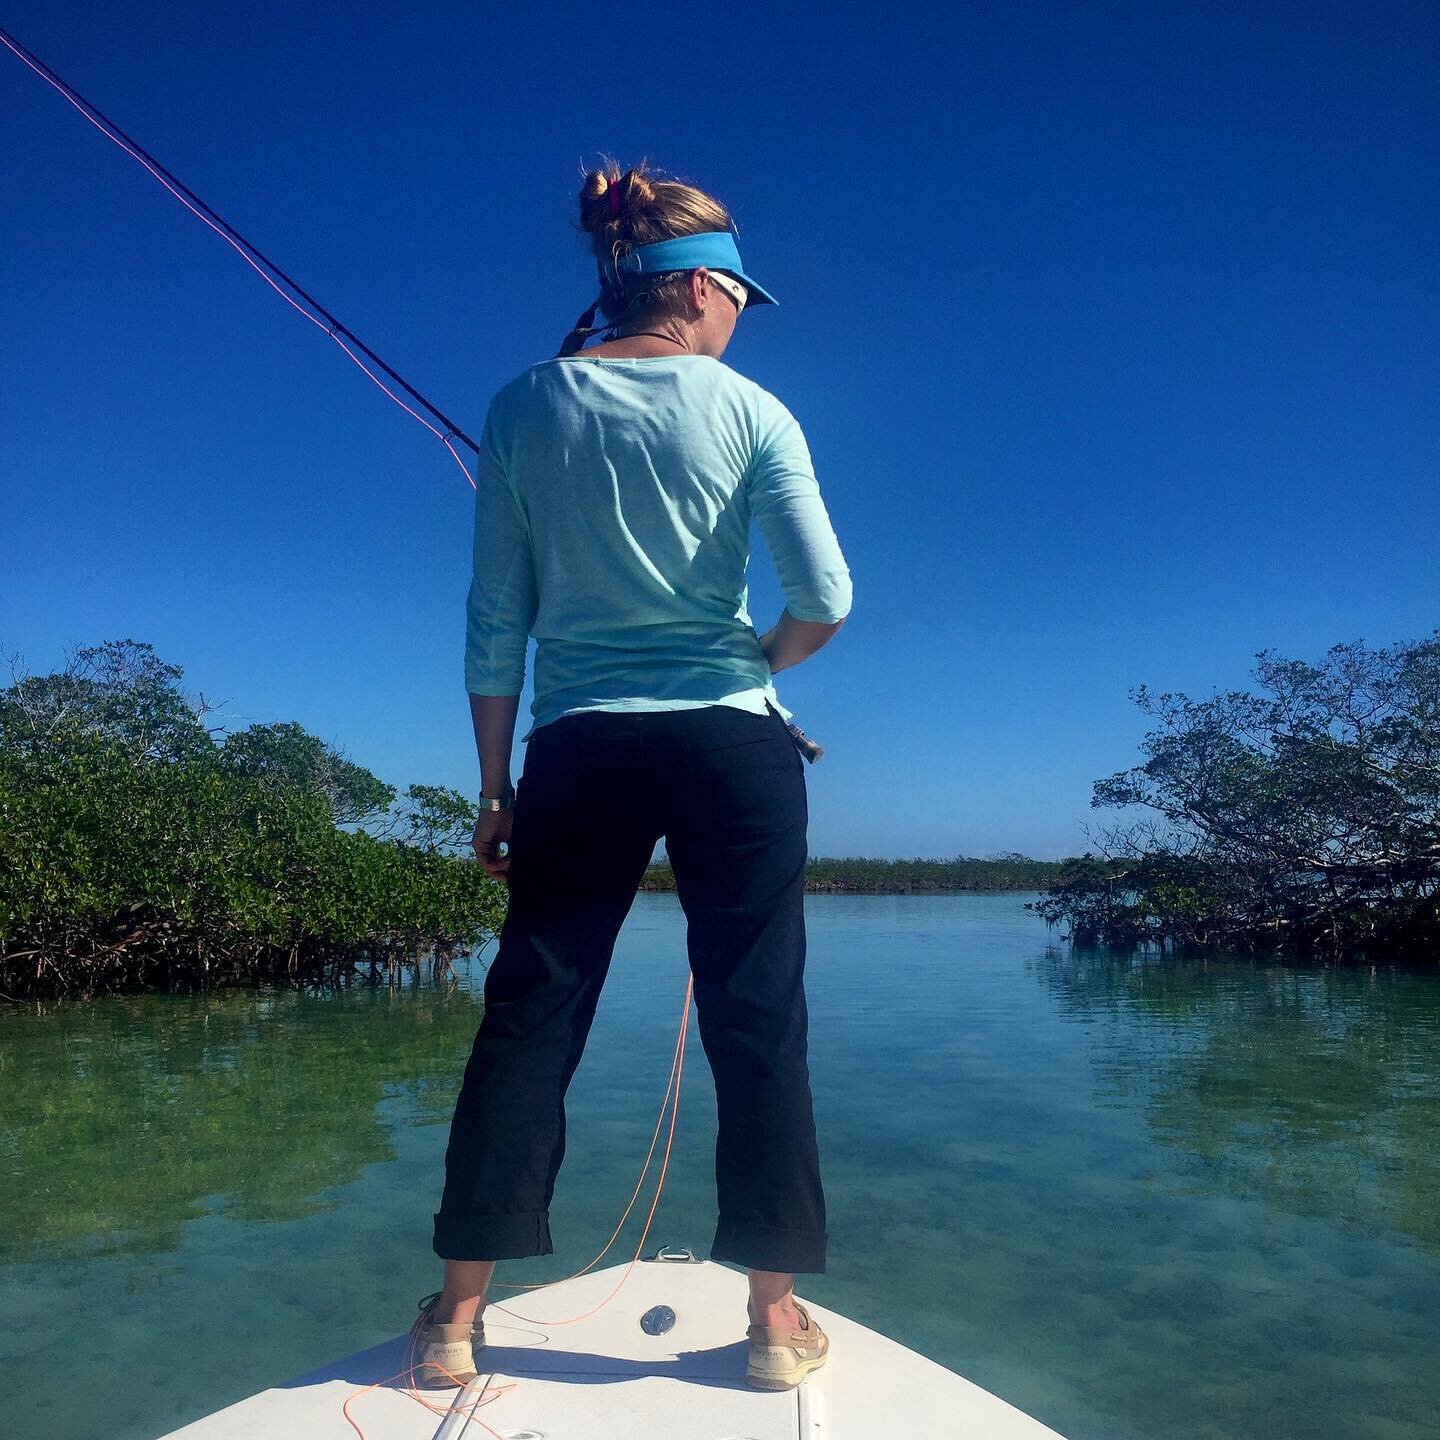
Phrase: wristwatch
(499,802)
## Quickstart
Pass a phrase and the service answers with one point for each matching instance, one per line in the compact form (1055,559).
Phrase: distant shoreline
(863,876)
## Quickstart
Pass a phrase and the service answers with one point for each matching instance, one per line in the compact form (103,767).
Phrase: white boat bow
(606,1378)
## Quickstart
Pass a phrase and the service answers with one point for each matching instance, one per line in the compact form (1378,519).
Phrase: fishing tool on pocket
(798,738)
(803,743)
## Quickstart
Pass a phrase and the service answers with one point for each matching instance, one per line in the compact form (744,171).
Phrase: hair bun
(633,190)
(595,199)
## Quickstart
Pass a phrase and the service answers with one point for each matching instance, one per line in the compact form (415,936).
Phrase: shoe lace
(427,1309)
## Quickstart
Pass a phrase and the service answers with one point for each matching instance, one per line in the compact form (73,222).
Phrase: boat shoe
(781,1356)
(443,1356)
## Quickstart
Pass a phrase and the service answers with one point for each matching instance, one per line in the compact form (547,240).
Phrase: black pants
(726,788)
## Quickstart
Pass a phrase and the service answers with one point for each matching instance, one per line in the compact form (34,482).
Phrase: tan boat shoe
(443,1356)
(781,1356)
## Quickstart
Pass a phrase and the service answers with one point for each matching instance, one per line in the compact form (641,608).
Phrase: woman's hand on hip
(491,829)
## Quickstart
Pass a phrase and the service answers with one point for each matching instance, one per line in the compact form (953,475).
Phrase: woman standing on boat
(615,491)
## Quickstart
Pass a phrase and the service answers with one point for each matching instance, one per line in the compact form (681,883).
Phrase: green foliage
(288,753)
(438,818)
(141,853)
(1305,820)
(119,691)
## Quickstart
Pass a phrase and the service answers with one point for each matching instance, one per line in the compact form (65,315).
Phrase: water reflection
(1315,1091)
(122,1119)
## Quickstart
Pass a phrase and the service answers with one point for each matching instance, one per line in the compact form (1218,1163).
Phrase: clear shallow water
(1136,1200)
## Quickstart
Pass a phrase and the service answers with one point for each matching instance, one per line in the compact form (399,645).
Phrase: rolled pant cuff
(492,1237)
(766,1247)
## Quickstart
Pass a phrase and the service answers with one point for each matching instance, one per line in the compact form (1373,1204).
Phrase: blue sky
(1112,328)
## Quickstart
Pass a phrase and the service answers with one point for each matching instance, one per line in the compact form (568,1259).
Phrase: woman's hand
(491,829)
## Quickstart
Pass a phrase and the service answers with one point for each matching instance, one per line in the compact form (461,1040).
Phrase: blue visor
(714,249)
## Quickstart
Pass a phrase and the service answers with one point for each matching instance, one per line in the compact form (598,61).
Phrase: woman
(615,490)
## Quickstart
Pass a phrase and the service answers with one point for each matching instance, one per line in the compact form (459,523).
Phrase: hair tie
(614,193)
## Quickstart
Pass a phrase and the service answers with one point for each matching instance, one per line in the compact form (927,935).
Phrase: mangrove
(1301,821)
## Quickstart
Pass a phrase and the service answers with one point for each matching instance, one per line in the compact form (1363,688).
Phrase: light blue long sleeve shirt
(612,521)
